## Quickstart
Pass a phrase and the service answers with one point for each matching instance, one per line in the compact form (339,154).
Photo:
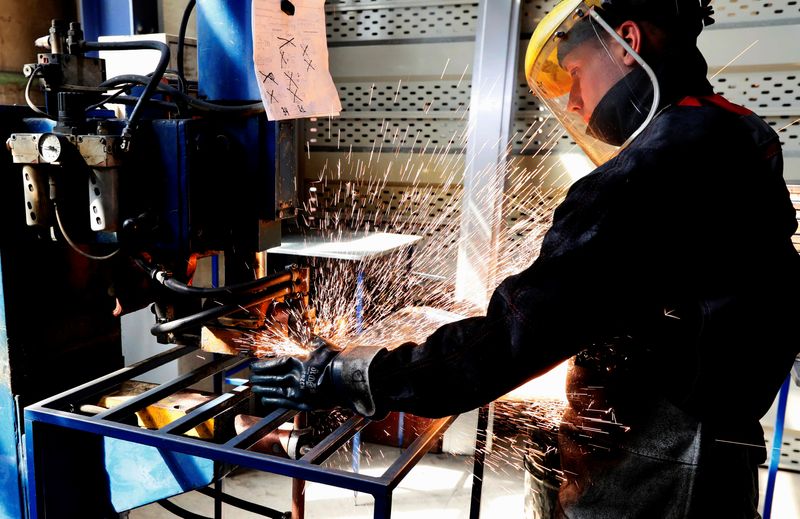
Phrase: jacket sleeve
(534,320)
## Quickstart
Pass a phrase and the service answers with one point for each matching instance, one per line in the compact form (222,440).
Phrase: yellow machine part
(165,411)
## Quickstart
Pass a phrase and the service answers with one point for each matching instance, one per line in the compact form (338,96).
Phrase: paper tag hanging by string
(290,55)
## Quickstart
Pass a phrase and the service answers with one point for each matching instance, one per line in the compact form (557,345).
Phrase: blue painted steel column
(118,17)
(225,51)
(106,17)
(11,503)
(777,443)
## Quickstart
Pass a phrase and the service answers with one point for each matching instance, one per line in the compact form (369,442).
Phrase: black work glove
(302,384)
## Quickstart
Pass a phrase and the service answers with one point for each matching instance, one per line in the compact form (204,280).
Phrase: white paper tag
(290,54)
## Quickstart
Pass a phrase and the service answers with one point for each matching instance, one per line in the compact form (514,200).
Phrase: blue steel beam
(10,487)
(36,415)
(164,390)
(118,17)
(103,384)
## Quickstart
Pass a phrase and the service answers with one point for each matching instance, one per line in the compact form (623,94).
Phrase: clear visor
(592,81)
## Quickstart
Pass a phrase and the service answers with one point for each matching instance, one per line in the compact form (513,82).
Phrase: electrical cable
(129,100)
(73,245)
(106,100)
(150,85)
(247,287)
(241,110)
(28,95)
(192,321)
(182,86)
(187,12)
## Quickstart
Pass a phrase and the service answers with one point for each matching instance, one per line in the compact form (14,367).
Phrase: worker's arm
(579,290)
(535,320)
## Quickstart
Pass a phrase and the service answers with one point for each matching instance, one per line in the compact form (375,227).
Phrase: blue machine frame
(55,411)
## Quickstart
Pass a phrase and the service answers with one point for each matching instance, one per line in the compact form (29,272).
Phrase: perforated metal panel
(532,13)
(354,22)
(386,134)
(744,11)
(788,132)
(406,96)
(767,93)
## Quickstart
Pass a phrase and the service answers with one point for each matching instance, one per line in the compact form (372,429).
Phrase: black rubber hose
(239,289)
(240,110)
(128,100)
(187,13)
(194,320)
(150,85)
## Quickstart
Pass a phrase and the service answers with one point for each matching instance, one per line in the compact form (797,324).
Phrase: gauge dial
(50,147)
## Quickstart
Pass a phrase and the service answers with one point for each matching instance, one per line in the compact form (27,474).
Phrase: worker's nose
(575,102)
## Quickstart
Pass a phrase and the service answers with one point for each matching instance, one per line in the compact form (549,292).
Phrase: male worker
(668,273)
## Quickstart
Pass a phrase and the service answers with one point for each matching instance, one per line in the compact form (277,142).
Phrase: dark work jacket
(669,271)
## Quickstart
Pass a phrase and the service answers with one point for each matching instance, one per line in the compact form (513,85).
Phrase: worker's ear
(632,34)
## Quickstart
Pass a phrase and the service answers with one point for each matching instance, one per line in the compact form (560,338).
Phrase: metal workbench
(47,422)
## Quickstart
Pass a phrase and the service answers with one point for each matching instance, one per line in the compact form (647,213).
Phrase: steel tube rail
(116,378)
(56,411)
(324,449)
(206,411)
(402,465)
(164,390)
(267,424)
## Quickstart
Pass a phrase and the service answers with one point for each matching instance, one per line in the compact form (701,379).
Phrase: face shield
(591,80)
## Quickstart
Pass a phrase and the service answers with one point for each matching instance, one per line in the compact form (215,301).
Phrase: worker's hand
(303,384)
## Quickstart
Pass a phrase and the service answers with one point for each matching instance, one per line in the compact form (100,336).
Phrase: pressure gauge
(50,147)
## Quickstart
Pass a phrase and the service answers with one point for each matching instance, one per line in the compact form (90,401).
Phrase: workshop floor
(438,488)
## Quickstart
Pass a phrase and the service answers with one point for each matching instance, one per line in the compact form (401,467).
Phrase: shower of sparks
(720,71)
(445,68)
(415,188)
(462,76)
(788,125)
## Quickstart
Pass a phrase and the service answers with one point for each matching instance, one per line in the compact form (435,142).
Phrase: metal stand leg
(298,485)
(217,499)
(30,460)
(477,470)
(218,385)
(383,507)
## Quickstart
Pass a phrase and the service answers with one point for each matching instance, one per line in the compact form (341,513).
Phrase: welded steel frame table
(57,411)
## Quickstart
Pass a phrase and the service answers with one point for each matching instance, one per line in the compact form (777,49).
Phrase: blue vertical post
(777,442)
(10,461)
(118,17)
(225,51)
